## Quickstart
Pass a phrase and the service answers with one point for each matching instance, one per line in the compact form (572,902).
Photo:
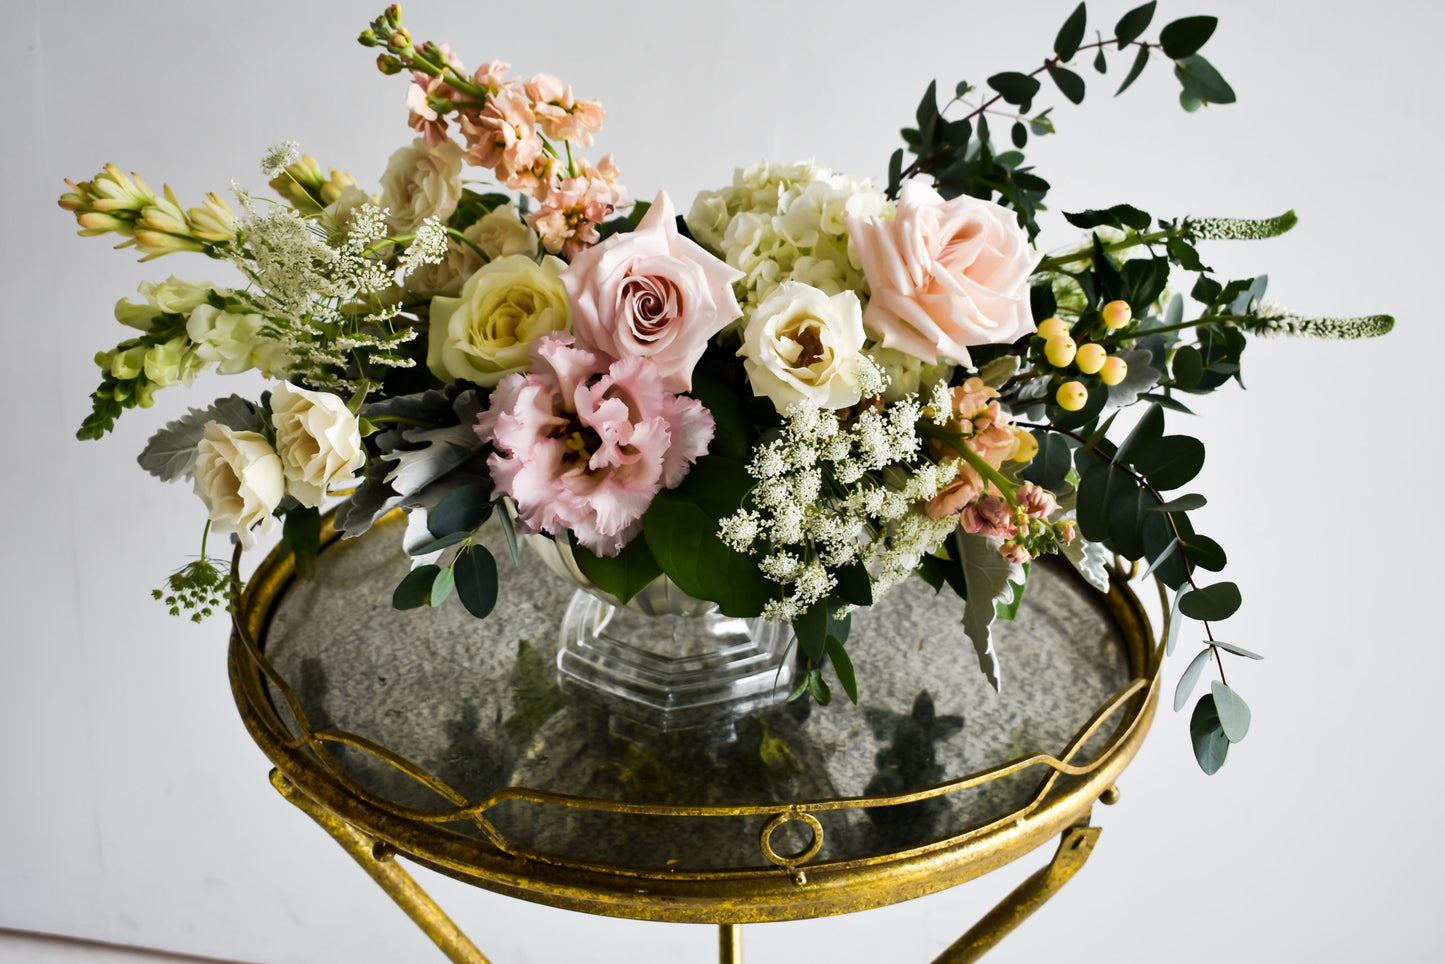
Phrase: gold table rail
(445,740)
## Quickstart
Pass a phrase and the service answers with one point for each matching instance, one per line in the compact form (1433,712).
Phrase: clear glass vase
(665,660)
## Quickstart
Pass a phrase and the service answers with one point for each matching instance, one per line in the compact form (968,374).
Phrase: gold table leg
(393,878)
(1075,845)
(730,943)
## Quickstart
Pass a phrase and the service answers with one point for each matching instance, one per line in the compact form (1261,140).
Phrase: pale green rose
(486,333)
(498,233)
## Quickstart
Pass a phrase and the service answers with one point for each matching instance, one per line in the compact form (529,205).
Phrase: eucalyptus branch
(1174,527)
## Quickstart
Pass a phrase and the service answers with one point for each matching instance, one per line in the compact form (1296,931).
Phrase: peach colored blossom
(945,275)
(492,77)
(990,516)
(503,135)
(652,293)
(571,209)
(1014,553)
(965,489)
(560,115)
(1035,502)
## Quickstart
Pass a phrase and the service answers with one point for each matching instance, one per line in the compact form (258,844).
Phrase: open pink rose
(945,275)
(653,294)
(583,443)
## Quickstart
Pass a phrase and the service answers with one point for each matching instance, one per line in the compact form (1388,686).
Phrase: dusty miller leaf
(1140,377)
(1089,558)
(171,452)
(989,579)
(998,371)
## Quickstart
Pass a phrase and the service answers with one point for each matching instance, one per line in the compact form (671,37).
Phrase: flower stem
(1133,241)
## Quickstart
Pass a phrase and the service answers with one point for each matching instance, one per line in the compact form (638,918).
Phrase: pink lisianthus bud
(1014,553)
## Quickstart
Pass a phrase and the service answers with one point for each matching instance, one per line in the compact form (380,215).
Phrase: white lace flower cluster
(785,222)
(323,296)
(831,493)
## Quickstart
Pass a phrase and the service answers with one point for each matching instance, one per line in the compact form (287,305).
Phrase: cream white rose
(318,440)
(239,478)
(232,341)
(498,233)
(802,345)
(486,333)
(422,182)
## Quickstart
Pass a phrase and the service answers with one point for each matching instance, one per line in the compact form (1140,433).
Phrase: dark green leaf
(623,575)
(1133,23)
(1232,710)
(1204,552)
(1184,254)
(1202,81)
(854,586)
(818,687)
(1210,744)
(1236,650)
(1128,509)
(1071,34)
(1100,63)
(510,532)
(1146,433)
(461,510)
(1190,677)
(415,589)
(1184,503)
(1051,464)
(1016,88)
(1171,462)
(1212,603)
(476,576)
(1070,84)
(1187,368)
(843,666)
(1141,60)
(1186,35)
(301,534)
(1093,503)
(962,88)
(442,543)
(733,432)
(895,172)
(1158,558)
(927,115)
(1164,401)
(1206,290)
(1019,134)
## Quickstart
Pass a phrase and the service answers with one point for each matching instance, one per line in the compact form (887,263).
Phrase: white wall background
(137,810)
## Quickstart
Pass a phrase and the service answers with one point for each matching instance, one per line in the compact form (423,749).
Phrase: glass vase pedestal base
(658,673)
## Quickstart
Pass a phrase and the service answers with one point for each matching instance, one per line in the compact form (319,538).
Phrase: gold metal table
(446,740)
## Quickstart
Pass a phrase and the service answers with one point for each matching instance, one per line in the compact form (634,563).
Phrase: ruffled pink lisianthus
(583,443)
(652,293)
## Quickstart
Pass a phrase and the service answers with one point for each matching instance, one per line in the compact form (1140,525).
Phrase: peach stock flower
(980,424)
(560,115)
(651,294)
(945,275)
(584,443)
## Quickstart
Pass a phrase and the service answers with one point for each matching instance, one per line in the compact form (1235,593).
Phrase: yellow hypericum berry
(1028,445)
(1071,396)
(1050,327)
(1090,358)
(1114,370)
(1117,314)
(1059,350)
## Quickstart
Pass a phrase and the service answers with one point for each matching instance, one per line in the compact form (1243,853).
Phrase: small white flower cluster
(279,157)
(831,493)
(324,296)
(785,222)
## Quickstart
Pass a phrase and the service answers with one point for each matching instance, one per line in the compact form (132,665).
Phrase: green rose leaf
(1212,603)
(301,534)
(475,571)
(1210,744)
(1233,711)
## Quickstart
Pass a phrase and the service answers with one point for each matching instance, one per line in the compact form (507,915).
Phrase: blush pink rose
(583,443)
(652,294)
(945,275)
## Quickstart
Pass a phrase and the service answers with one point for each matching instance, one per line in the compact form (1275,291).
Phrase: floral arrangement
(802,391)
